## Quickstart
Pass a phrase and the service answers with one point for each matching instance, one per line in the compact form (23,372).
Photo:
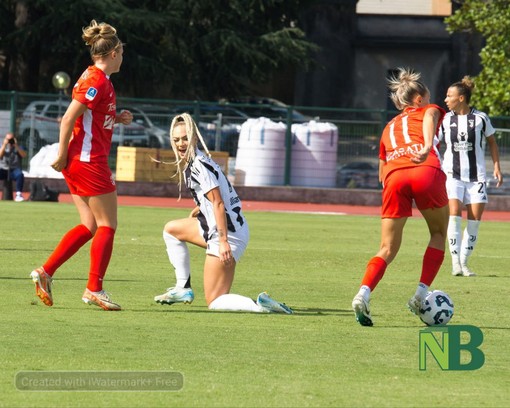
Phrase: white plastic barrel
(260,159)
(314,154)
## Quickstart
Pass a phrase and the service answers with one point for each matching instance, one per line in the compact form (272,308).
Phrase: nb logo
(446,349)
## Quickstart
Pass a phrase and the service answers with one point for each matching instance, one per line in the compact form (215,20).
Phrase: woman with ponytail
(410,170)
(84,145)
(466,132)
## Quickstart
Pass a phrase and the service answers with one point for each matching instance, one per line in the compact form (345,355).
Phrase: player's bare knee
(171,228)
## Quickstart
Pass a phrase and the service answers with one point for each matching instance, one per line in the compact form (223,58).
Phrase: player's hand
(421,155)
(499,177)
(194,213)
(125,117)
(226,256)
(59,164)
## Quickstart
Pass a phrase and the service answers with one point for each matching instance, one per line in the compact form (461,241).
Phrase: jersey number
(239,219)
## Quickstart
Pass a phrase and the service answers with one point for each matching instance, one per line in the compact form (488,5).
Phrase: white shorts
(238,242)
(467,192)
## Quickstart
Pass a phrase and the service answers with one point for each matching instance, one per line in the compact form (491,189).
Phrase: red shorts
(89,179)
(425,184)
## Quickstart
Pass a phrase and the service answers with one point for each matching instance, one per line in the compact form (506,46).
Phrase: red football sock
(70,243)
(432,261)
(100,254)
(374,272)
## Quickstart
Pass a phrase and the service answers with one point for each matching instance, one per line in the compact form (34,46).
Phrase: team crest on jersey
(471,122)
(91,93)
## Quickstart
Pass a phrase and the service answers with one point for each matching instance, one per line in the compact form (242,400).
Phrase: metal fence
(34,117)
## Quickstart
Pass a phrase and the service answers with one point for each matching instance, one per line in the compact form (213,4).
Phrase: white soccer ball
(436,309)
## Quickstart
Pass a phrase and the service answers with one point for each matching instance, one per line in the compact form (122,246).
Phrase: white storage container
(260,159)
(314,154)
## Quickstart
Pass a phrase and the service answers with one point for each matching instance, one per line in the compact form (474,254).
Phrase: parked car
(133,134)
(359,174)
(217,120)
(46,117)
(156,121)
(257,107)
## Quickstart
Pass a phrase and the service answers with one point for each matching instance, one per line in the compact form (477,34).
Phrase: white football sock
(469,240)
(178,254)
(454,235)
(364,291)
(421,291)
(233,302)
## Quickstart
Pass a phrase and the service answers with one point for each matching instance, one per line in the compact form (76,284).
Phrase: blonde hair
(194,136)
(101,38)
(464,87)
(404,86)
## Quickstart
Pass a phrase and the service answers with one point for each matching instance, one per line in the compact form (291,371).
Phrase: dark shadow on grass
(196,309)
(481,277)
(58,278)
(25,250)
(304,311)
(203,309)
(494,328)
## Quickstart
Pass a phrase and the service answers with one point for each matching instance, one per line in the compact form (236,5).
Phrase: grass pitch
(318,357)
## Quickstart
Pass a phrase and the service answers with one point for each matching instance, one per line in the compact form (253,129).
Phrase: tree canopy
(188,49)
(490,18)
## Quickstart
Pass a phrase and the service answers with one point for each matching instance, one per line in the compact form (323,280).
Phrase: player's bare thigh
(186,229)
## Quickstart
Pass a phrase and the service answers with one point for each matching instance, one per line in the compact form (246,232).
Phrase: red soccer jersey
(92,134)
(402,136)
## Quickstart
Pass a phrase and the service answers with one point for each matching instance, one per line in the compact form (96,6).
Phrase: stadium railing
(358,129)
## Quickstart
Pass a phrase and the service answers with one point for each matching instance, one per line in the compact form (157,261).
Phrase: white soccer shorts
(238,242)
(467,192)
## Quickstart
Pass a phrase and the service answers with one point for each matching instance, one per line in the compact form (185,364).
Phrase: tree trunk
(24,57)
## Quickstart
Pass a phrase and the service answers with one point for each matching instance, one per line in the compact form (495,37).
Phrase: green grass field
(318,357)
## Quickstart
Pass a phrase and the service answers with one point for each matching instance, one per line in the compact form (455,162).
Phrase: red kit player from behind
(84,145)
(410,170)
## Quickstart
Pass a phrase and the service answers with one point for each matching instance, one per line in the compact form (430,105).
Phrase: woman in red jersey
(85,139)
(409,169)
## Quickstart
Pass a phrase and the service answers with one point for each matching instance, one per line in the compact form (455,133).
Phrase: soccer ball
(436,309)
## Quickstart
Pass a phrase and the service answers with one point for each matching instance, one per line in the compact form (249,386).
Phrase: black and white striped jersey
(465,139)
(201,176)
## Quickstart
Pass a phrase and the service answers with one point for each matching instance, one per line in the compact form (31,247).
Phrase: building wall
(331,25)
(358,50)
(384,43)
(405,7)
